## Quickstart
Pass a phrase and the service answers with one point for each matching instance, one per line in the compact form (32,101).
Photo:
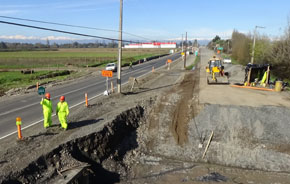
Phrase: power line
(69,25)
(66,32)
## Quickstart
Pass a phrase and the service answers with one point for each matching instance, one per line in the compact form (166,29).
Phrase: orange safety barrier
(249,87)
(18,124)
(86,97)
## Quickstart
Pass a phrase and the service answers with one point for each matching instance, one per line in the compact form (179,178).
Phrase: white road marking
(83,102)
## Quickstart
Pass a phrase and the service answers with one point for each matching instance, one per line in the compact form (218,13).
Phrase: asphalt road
(29,109)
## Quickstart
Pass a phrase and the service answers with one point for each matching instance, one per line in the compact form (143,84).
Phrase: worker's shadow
(79,124)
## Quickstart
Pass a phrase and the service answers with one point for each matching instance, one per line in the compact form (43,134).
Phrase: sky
(152,19)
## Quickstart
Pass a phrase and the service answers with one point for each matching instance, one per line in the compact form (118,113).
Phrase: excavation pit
(95,157)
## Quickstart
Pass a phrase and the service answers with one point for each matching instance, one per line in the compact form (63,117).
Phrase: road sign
(107,73)
(169,61)
(182,53)
(41,90)
(220,48)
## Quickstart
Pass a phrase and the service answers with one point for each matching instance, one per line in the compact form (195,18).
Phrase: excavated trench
(95,157)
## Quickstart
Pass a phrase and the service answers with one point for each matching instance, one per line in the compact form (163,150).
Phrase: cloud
(21,37)
(89,5)
(207,33)
(8,12)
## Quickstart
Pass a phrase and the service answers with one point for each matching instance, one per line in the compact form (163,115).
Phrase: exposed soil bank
(102,152)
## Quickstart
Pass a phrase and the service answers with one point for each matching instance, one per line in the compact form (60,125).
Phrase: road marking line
(78,103)
(20,108)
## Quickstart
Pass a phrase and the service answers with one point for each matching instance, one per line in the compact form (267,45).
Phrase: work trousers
(47,119)
(62,119)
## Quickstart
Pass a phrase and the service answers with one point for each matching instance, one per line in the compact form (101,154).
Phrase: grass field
(16,79)
(61,58)
(75,57)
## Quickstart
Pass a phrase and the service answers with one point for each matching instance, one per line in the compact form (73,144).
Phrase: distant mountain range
(63,40)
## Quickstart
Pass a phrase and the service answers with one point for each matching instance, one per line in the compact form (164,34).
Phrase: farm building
(152,45)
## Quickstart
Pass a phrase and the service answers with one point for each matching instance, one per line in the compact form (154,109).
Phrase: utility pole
(182,43)
(185,50)
(254,42)
(120,47)
(228,46)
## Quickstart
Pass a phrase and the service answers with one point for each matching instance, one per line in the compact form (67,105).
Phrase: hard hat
(62,98)
(47,95)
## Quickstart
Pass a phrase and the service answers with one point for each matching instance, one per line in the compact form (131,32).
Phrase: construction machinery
(215,72)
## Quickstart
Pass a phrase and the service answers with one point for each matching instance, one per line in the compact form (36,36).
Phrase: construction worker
(47,110)
(131,65)
(62,112)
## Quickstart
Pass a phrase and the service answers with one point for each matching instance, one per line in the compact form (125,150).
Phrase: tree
(241,47)
(195,44)
(216,38)
(280,55)
(47,43)
(3,45)
(263,47)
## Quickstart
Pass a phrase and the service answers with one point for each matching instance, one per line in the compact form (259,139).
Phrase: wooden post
(112,86)
(133,83)
(268,73)
(37,86)
(152,69)
(249,77)
(207,144)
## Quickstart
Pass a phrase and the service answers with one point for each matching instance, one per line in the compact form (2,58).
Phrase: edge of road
(91,98)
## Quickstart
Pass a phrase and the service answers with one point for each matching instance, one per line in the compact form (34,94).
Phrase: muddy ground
(157,133)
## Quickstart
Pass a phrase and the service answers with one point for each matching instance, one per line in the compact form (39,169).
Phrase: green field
(16,79)
(72,57)
(61,58)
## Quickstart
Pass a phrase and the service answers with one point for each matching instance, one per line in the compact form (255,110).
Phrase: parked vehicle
(227,60)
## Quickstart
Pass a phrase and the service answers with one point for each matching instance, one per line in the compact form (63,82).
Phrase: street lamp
(254,42)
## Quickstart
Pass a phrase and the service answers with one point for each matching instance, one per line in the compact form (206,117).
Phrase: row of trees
(275,52)
(188,43)
(218,42)
(35,46)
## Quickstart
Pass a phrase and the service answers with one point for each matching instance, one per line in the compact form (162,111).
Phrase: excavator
(215,72)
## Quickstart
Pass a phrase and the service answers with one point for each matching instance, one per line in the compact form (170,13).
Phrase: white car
(111,67)
(227,60)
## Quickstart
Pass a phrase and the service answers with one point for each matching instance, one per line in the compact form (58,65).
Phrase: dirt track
(152,135)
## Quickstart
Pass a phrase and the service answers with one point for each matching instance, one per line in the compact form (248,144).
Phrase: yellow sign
(182,53)
(107,73)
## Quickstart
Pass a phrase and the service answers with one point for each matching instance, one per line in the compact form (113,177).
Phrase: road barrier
(86,97)
(18,124)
